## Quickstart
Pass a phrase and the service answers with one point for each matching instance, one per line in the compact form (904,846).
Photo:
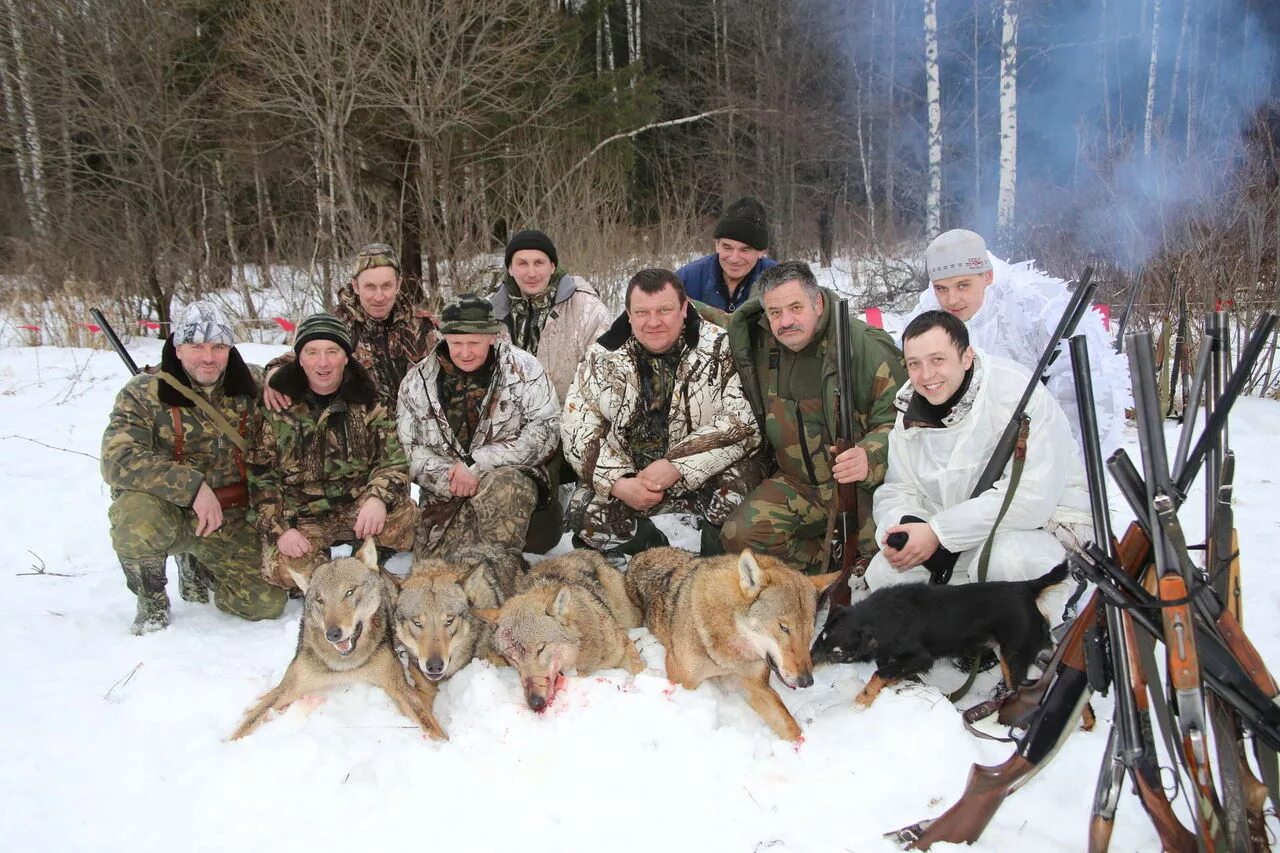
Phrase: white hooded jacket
(1020,311)
(932,471)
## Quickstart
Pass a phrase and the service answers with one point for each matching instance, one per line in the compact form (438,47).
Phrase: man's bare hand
(293,544)
(922,542)
(659,475)
(207,509)
(274,400)
(852,466)
(371,518)
(636,494)
(462,483)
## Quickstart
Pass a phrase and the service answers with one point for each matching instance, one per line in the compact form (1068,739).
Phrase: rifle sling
(207,408)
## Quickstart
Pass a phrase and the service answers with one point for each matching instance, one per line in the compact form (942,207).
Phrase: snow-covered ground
(119,743)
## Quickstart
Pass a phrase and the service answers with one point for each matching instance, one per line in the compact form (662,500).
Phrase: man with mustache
(785,349)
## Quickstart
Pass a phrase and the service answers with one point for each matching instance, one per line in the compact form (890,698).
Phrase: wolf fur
(570,615)
(345,636)
(905,628)
(435,628)
(731,617)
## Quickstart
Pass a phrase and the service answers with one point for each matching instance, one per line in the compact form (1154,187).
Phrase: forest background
(153,149)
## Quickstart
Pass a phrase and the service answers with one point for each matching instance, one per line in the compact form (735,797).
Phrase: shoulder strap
(1015,476)
(210,412)
(177,434)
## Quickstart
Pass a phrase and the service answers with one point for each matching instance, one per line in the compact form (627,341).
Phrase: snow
(119,743)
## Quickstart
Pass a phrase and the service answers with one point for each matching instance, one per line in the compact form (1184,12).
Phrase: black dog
(905,628)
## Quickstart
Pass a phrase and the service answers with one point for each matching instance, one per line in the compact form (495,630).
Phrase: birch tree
(1008,121)
(26,129)
(1149,115)
(933,97)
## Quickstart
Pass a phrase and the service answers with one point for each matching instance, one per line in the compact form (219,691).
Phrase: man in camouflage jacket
(480,420)
(656,422)
(329,468)
(784,346)
(388,335)
(178,480)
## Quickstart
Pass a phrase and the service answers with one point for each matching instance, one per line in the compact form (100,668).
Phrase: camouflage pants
(497,514)
(146,527)
(606,522)
(792,521)
(324,532)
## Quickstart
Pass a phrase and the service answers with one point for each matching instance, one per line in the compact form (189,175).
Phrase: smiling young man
(784,347)
(724,278)
(1011,311)
(388,335)
(950,417)
(655,422)
(177,476)
(328,468)
(479,419)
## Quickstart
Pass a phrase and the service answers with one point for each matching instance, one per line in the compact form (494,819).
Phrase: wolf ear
(560,604)
(368,553)
(300,579)
(487,614)
(750,575)
(822,582)
(472,582)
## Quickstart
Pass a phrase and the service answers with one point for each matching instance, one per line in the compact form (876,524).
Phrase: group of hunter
(715,393)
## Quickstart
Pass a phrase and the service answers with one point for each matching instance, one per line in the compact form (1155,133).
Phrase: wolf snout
(435,668)
(537,703)
(333,635)
(805,679)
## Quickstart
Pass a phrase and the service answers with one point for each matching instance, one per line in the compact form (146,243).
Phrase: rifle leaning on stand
(1047,709)
(844,548)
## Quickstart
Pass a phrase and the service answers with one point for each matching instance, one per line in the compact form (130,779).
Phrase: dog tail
(1056,575)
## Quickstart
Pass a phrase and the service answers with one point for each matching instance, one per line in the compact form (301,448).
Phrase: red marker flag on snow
(1105,310)
(284,324)
(149,325)
(29,327)
(874,318)
(91,327)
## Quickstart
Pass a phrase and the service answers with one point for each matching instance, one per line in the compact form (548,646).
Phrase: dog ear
(865,642)
(368,553)
(560,604)
(487,614)
(750,575)
(303,581)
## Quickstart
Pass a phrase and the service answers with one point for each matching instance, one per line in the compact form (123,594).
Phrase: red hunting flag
(92,327)
(29,327)
(874,318)
(284,324)
(1105,310)
(149,325)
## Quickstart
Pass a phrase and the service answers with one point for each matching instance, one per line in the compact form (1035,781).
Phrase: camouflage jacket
(710,423)
(878,371)
(387,348)
(309,460)
(518,426)
(138,444)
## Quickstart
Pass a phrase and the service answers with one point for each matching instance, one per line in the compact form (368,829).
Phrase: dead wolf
(436,631)
(571,614)
(905,628)
(345,636)
(732,617)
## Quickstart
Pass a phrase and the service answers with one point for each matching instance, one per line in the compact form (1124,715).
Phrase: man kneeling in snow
(950,418)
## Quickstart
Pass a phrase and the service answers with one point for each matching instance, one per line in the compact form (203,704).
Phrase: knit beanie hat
(322,327)
(530,239)
(203,323)
(956,252)
(469,314)
(744,221)
(375,255)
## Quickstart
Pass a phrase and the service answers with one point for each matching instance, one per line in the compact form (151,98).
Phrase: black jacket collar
(620,332)
(237,380)
(357,388)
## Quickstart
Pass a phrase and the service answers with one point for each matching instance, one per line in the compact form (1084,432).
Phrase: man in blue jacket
(723,280)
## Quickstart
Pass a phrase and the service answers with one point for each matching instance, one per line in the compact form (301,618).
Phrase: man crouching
(174,456)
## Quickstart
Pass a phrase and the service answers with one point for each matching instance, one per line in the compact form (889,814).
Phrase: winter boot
(647,536)
(146,579)
(194,580)
(711,545)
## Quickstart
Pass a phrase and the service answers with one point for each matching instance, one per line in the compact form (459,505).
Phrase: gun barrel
(842,369)
(114,340)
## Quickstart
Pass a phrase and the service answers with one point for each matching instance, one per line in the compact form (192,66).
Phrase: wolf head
(342,597)
(777,622)
(534,632)
(433,618)
(848,638)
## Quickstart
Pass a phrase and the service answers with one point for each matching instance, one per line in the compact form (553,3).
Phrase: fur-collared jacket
(318,455)
(387,348)
(518,426)
(138,444)
(577,318)
(710,422)
(933,470)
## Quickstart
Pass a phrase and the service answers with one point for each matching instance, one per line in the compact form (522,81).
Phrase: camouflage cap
(375,255)
(469,314)
(203,323)
(322,327)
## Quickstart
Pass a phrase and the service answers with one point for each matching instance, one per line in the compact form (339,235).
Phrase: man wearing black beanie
(724,279)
